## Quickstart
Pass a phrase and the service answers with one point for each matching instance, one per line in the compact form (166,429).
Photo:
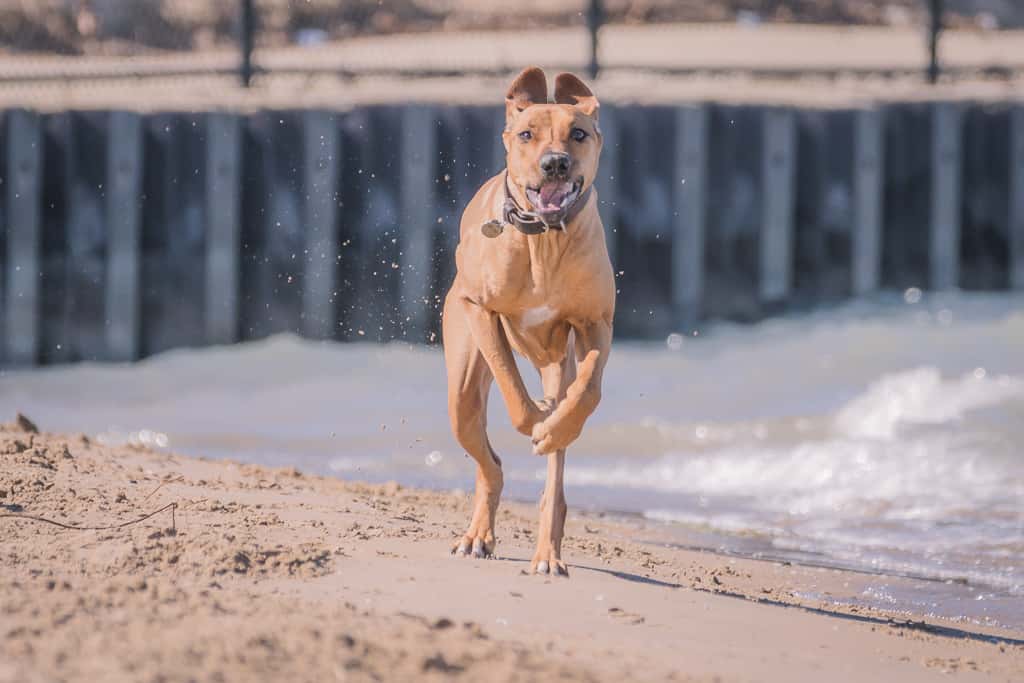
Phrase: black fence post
(246,28)
(934,29)
(595,17)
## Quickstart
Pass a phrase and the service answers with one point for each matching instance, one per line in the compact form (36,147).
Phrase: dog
(533,277)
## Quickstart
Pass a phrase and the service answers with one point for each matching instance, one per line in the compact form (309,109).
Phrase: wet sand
(271,574)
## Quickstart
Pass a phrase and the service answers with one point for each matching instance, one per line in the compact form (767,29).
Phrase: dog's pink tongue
(552,194)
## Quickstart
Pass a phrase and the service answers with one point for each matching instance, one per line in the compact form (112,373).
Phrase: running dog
(534,277)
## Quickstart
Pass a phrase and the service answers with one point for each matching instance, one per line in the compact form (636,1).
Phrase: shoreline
(271,572)
(904,583)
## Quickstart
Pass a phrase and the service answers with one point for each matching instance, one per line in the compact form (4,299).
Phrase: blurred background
(814,208)
(198,172)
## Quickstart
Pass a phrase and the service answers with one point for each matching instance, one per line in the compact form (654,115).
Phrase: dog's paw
(553,434)
(547,562)
(534,415)
(475,547)
(546,406)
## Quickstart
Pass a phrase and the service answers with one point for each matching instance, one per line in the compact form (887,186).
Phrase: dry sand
(269,574)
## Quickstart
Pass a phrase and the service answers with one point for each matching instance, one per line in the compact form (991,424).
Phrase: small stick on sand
(170,506)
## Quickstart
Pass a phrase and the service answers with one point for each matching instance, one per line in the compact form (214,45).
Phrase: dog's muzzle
(569,202)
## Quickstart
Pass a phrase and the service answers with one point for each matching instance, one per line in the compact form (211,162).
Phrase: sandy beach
(254,573)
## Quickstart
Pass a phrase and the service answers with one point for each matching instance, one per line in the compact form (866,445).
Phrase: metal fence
(249,28)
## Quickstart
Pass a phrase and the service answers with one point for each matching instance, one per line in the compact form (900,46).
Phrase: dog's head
(551,149)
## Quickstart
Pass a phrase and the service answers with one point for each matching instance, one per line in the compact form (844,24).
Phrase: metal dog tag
(492,228)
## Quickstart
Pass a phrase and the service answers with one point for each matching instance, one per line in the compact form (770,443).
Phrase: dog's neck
(529,222)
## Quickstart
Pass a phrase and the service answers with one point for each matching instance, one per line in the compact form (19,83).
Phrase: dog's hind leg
(556,378)
(469,380)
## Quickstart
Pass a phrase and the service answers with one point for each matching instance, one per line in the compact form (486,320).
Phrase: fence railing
(247,64)
(595,19)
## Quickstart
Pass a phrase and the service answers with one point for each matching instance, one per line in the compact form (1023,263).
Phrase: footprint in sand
(624,616)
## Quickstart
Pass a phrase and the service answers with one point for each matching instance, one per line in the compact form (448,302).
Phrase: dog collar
(530,222)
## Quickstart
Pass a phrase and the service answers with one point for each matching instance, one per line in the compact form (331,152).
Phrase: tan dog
(533,277)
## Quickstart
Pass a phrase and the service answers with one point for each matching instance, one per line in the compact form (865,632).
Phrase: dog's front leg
(563,426)
(489,336)
(556,378)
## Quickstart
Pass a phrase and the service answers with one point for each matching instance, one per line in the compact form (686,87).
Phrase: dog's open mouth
(554,197)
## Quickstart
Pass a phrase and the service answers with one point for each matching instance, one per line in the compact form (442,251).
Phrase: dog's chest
(539,333)
(530,290)
(528,275)
(537,316)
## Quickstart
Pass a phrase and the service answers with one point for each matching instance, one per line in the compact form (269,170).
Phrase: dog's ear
(529,88)
(571,90)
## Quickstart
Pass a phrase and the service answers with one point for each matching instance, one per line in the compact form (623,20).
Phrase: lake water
(885,435)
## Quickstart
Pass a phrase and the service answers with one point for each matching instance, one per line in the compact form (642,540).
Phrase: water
(884,436)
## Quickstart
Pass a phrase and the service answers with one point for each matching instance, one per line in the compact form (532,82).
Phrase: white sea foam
(922,396)
(819,476)
(919,473)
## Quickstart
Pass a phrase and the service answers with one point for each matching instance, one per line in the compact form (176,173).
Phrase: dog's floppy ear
(529,88)
(571,90)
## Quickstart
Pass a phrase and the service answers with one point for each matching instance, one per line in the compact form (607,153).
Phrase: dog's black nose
(555,164)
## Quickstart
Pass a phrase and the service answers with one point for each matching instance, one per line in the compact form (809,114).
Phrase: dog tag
(492,228)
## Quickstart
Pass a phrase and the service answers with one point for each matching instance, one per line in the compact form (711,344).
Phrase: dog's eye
(526,136)
(578,134)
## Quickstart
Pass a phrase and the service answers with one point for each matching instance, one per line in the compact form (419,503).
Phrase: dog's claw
(542,446)
(475,547)
(546,405)
(549,567)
